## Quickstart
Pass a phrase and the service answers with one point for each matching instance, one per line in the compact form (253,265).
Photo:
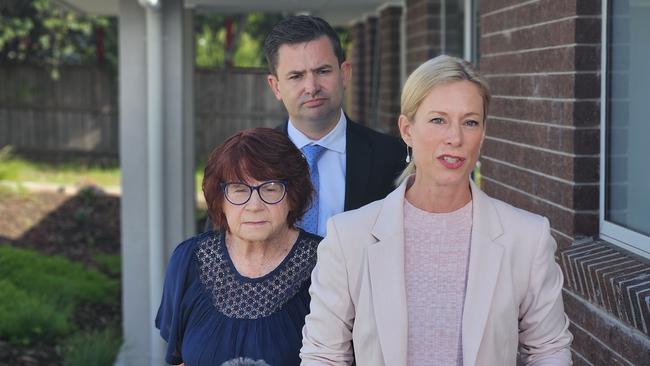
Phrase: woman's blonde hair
(435,72)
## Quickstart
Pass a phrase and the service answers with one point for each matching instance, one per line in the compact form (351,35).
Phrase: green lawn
(18,169)
(22,170)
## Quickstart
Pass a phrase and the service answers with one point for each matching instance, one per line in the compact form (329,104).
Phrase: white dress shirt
(331,169)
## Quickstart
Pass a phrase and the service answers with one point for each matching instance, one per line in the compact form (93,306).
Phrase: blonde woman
(438,273)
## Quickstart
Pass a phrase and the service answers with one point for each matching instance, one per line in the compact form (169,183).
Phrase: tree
(37,32)
(232,40)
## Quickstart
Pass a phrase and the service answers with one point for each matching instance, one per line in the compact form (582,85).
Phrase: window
(625,125)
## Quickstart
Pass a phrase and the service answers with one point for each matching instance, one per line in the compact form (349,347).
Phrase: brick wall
(423,35)
(356,109)
(389,69)
(370,66)
(542,60)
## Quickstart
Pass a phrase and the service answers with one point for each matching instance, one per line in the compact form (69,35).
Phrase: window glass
(627,186)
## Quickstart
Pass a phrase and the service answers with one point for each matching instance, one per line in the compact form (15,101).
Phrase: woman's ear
(404,126)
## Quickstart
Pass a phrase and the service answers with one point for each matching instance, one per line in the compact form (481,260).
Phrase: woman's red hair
(257,154)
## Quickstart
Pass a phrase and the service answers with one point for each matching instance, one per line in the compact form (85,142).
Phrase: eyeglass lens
(240,193)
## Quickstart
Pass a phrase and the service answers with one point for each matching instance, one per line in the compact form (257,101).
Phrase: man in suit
(353,164)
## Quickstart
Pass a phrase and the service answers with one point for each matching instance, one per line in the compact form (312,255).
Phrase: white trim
(621,236)
(616,234)
(603,111)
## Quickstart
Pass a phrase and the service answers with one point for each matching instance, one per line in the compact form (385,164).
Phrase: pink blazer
(513,299)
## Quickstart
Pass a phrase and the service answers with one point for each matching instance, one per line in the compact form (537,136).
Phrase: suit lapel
(284,127)
(357,167)
(386,267)
(484,264)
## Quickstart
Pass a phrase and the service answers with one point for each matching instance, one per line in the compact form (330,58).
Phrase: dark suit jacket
(373,162)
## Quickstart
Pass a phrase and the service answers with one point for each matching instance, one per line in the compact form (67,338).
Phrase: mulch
(77,227)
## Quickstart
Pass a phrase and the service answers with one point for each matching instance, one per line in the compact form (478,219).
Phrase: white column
(134,166)
(157,162)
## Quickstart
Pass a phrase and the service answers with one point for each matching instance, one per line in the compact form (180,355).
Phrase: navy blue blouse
(210,313)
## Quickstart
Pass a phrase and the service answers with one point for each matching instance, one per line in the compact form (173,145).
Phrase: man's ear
(346,73)
(273,84)
(404,126)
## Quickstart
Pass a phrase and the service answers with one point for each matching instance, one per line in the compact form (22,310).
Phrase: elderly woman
(242,291)
(438,273)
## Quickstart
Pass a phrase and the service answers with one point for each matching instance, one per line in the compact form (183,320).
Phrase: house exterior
(566,136)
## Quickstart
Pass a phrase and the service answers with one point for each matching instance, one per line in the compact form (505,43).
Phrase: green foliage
(36,31)
(97,348)
(40,292)
(109,263)
(55,277)
(25,317)
(249,32)
(7,170)
(15,168)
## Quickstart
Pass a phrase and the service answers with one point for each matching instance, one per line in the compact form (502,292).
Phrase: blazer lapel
(357,167)
(484,264)
(386,267)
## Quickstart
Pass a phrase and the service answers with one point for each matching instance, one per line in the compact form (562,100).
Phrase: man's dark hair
(299,29)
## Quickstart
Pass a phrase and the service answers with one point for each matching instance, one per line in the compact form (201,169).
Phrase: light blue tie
(312,153)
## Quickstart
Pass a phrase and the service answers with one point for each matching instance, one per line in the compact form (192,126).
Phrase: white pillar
(157,162)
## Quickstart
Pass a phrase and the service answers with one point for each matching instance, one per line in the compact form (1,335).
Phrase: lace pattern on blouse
(239,297)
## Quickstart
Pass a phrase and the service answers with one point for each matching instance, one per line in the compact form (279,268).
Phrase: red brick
(580,197)
(567,113)
(545,35)
(583,85)
(577,141)
(562,220)
(578,169)
(492,5)
(534,13)
(569,58)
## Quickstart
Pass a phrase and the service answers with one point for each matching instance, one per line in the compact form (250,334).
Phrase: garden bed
(78,237)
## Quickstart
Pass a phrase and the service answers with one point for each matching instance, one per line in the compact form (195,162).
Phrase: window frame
(470,34)
(614,233)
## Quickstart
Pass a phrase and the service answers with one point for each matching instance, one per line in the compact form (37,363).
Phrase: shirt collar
(334,140)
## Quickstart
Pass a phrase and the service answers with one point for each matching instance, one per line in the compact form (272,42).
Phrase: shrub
(97,348)
(25,317)
(55,277)
(39,293)
(109,263)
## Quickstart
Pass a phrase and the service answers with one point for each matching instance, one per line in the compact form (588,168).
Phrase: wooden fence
(78,114)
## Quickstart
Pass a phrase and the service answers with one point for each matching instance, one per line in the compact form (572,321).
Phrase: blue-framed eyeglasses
(271,192)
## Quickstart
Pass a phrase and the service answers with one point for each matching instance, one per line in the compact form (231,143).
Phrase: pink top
(436,256)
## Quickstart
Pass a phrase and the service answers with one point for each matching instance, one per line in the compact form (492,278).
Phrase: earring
(408,155)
